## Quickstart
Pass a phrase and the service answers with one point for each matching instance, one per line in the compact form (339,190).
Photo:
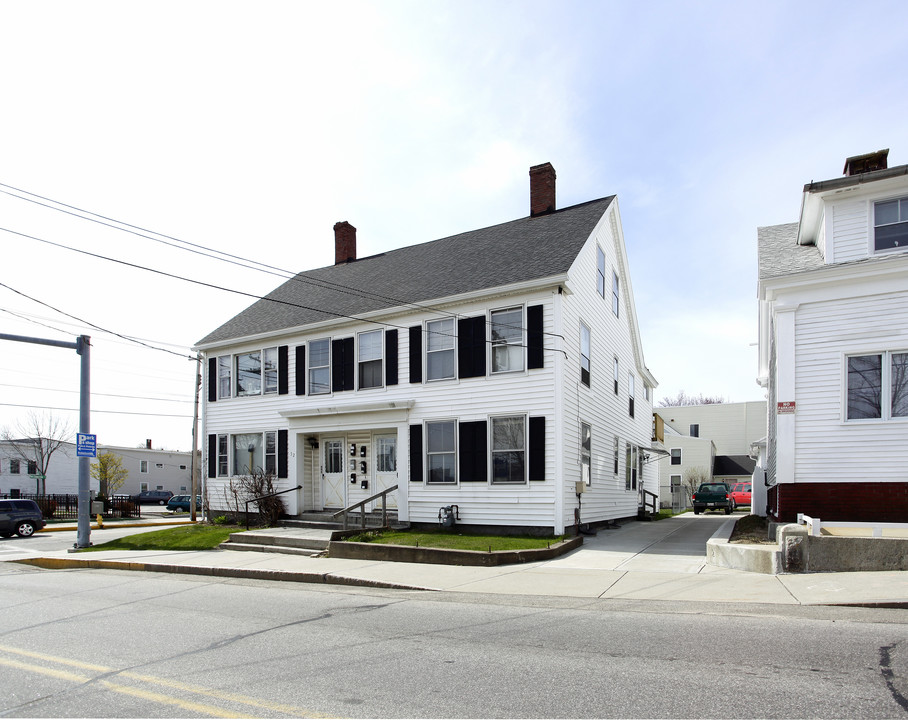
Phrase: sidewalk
(662,560)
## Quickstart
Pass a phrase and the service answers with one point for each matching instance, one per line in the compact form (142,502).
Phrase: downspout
(558,354)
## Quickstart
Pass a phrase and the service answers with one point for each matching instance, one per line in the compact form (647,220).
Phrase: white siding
(599,406)
(849,231)
(828,447)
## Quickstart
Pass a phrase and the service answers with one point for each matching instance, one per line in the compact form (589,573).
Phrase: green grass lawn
(455,541)
(188,537)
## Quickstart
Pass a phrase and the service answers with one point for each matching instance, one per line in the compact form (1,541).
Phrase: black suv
(156,497)
(20,517)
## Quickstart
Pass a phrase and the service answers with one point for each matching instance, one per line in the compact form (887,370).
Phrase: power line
(228,257)
(214,287)
(103,412)
(95,394)
(92,325)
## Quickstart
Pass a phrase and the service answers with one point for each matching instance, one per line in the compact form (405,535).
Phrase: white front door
(385,469)
(334,486)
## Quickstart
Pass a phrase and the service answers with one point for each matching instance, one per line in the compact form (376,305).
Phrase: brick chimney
(344,242)
(858,164)
(542,189)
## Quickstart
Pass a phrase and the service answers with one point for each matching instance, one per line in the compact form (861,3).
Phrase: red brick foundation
(855,501)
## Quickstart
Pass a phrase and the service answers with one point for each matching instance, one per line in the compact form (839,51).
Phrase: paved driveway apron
(675,545)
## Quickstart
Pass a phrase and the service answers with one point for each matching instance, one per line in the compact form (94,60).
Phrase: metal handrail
(265,497)
(654,501)
(384,507)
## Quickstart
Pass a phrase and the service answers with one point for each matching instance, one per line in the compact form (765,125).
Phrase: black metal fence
(66,507)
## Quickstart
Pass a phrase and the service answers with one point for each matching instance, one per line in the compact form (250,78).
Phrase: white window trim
(453,349)
(885,389)
(426,453)
(871,216)
(491,450)
(521,343)
(680,457)
(262,372)
(228,376)
(310,367)
(586,454)
(588,357)
(360,361)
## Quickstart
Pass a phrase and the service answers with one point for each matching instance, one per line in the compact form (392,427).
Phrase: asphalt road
(113,644)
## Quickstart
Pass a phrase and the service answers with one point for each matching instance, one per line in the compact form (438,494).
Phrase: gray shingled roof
(523,250)
(778,252)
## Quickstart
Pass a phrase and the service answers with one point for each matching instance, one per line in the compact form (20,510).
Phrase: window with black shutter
(283,370)
(471,347)
(343,364)
(300,370)
(212,379)
(283,439)
(212,456)
(390,357)
(537,449)
(535,338)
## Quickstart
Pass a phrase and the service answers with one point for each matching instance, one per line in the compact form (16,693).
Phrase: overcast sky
(252,128)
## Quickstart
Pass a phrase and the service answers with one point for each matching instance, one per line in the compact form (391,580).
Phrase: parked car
(740,493)
(20,517)
(152,497)
(180,503)
(713,496)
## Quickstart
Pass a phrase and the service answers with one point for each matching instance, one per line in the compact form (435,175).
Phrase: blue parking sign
(86,445)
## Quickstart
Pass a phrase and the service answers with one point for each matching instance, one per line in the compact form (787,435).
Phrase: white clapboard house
(833,291)
(493,370)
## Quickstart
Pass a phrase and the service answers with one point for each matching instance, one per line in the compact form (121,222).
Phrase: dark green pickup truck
(713,496)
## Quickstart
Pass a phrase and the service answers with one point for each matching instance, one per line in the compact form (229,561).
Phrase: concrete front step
(279,538)
(256,547)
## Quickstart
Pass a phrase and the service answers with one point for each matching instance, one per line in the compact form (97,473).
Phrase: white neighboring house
(716,438)
(492,370)
(833,292)
(148,469)
(17,475)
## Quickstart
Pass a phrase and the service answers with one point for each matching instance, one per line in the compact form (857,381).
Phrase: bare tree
(682,398)
(693,478)
(36,439)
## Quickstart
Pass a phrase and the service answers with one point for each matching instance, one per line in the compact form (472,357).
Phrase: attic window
(890,224)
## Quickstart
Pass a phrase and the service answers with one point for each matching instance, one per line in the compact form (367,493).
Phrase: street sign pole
(83,534)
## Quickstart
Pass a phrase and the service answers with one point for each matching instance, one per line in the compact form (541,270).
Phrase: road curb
(75,528)
(243,573)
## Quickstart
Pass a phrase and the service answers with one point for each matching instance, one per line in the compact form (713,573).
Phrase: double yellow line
(9,660)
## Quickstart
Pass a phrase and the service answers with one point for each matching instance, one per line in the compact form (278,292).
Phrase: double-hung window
(13,466)
(630,393)
(600,271)
(584,354)
(269,369)
(586,448)
(253,452)
(617,454)
(320,367)
(509,449)
(370,359)
(32,467)
(441,451)
(630,469)
(615,293)
(615,374)
(877,386)
(271,453)
(440,358)
(676,456)
(224,377)
(223,470)
(507,340)
(143,466)
(890,224)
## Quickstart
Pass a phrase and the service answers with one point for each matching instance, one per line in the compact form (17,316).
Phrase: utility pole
(194,465)
(81,346)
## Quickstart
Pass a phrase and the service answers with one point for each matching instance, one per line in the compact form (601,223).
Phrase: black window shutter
(471,347)
(416,354)
(342,364)
(416,453)
(212,379)
(283,370)
(537,448)
(282,443)
(212,456)
(300,369)
(472,450)
(391,353)
(535,339)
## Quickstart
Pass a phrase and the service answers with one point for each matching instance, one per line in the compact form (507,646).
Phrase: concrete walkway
(663,560)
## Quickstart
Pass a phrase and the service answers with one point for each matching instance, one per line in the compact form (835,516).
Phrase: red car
(740,493)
